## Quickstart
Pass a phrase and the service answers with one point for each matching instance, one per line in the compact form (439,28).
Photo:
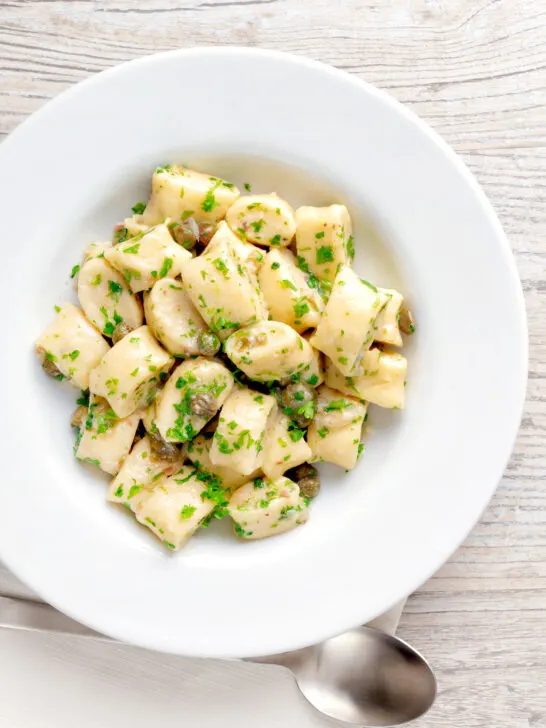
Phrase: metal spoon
(364,677)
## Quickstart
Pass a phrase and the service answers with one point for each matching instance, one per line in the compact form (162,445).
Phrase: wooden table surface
(475,70)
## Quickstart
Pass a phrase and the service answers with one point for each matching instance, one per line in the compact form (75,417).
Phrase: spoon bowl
(362,677)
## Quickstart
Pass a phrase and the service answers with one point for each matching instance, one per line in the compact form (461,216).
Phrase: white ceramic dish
(74,168)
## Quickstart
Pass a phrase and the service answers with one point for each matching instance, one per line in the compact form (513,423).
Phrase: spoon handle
(31,616)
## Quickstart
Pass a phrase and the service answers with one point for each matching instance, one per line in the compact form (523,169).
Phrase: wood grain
(476,71)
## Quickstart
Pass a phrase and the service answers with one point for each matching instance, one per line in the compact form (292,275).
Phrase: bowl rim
(425,571)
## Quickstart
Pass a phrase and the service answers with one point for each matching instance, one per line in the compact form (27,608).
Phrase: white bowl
(375,534)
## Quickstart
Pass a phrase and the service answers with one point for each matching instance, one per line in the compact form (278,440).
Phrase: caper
(186,233)
(308,480)
(406,320)
(121,330)
(78,416)
(206,231)
(208,343)
(203,404)
(50,368)
(162,450)
(298,402)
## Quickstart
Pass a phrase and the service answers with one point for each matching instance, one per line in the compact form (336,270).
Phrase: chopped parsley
(133,490)
(320,235)
(323,431)
(295,433)
(115,290)
(112,385)
(129,275)
(132,249)
(187,512)
(109,326)
(275,266)
(307,410)
(209,202)
(325,254)
(83,399)
(370,285)
(337,405)
(186,214)
(285,283)
(75,271)
(257,225)
(139,208)
(222,267)
(120,235)
(247,187)
(240,531)
(351,247)
(301,307)
(166,267)
(275,240)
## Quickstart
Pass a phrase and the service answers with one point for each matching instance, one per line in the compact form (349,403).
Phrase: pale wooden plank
(476,71)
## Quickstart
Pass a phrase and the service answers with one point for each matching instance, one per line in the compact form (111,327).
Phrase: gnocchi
(268,351)
(346,330)
(192,396)
(238,442)
(324,239)
(224,343)
(288,291)
(263,219)
(265,507)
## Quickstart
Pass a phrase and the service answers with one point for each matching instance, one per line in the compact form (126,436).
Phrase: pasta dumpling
(194,393)
(324,240)
(238,442)
(71,347)
(335,433)
(268,351)
(313,373)
(382,381)
(105,298)
(175,508)
(148,256)
(175,321)
(222,290)
(140,472)
(129,375)
(263,219)
(198,451)
(346,328)
(284,447)
(95,250)
(179,193)
(287,292)
(265,507)
(105,439)
(387,324)
(250,256)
